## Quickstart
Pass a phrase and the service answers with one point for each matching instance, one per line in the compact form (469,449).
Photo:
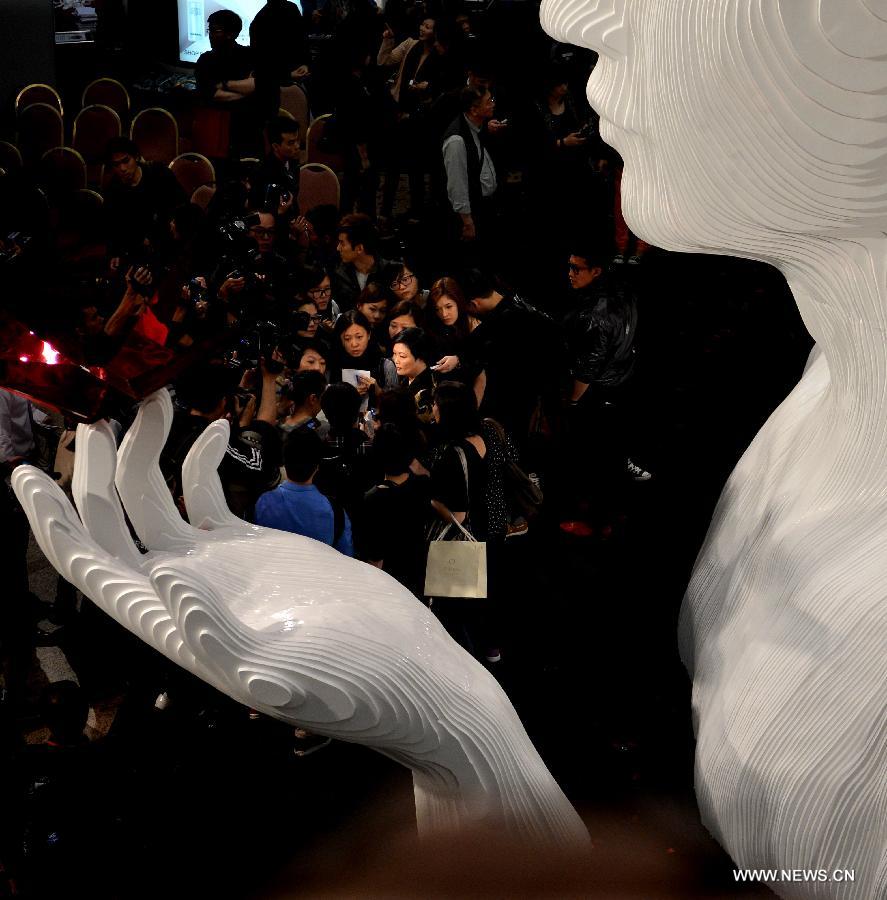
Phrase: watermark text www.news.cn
(794,875)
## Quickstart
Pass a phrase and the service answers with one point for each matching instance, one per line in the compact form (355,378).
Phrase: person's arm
(227,91)
(242,86)
(8,455)
(345,544)
(268,405)
(455,159)
(480,386)
(449,494)
(579,389)
(446,514)
(132,303)
(389,55)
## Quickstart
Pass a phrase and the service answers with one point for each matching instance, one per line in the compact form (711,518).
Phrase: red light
(24,359)
(50,354)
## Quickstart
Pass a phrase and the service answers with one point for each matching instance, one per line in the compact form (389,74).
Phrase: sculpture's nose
(598,24)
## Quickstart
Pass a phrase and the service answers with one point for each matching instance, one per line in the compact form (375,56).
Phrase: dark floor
(216,805)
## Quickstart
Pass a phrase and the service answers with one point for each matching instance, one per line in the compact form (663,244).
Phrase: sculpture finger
(204,497)
(95,464)
(140,483)
(110,582)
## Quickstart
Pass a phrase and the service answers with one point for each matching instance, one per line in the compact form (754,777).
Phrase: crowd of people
(381,365)
(344,329)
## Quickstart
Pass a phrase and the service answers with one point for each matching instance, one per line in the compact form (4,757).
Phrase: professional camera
(275,195)
(257,343)
(13,245)
(197,293)
(253,268)
(144,258)
(236,229)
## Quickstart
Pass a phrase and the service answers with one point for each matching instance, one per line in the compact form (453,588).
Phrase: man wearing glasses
(600,330)
(225,78)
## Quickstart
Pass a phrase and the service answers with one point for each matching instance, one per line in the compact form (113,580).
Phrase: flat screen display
(193,39)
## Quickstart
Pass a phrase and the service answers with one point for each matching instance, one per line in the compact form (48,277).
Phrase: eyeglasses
(315,318)
(320,292)
(403,280)
(574,268)
(261,232)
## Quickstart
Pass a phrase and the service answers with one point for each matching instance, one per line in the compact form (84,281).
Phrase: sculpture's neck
(841,291)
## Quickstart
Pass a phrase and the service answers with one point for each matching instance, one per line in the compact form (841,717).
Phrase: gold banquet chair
(94,126)
(107,92)
(156,133)
(193,170)
(40,128)
(318,186)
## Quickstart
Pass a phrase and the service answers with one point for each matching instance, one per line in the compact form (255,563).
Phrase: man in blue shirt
(297,505)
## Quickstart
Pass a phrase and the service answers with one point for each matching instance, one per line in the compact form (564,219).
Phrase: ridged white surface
(291,627)
(758,128)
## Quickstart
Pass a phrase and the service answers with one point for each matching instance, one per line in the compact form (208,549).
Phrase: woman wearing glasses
(402,279)
(317,287)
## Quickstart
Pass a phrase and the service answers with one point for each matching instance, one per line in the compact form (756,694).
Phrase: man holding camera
(253,273)
(276,184)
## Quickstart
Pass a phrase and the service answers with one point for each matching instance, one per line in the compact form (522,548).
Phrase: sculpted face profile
(758,128)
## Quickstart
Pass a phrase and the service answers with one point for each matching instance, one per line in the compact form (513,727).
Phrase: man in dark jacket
(278,39)
(359,259)
(280,166)
(139,200)
(226,79)
(600,331)
(511,336)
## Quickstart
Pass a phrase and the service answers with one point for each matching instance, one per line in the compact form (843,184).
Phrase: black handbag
(519,489)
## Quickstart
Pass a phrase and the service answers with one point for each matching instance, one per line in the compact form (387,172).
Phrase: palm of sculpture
(289,626)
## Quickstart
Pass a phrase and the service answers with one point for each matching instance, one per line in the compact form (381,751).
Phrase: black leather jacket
(600,332)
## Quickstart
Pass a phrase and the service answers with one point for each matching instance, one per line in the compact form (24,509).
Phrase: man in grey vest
(471,174)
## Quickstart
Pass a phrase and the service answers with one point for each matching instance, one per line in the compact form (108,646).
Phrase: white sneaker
(636,473)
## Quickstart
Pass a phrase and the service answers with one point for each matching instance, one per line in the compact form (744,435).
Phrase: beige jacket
(389,55)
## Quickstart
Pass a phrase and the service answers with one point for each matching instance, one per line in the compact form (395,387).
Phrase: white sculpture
(758,128)
(290,627)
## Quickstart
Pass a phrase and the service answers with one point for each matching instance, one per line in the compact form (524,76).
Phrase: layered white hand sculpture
(758,128)
(289,626)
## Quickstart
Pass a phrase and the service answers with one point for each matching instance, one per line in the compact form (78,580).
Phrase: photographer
(251,270)
(249,467)
(277,179)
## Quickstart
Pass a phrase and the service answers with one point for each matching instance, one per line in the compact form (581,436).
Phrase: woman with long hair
(467,475)
(412,91)
(449,324)
(315,285)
